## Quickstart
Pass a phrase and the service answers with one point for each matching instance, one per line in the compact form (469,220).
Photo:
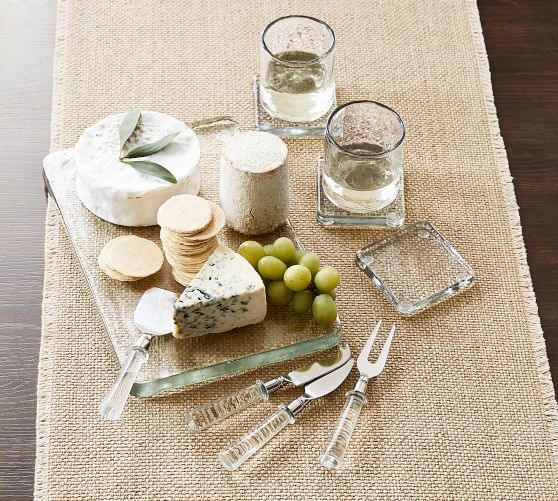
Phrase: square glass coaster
(415,268)
(328,214)
(266,123)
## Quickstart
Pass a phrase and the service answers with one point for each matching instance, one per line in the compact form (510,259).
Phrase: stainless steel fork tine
(382,359)
(365,353)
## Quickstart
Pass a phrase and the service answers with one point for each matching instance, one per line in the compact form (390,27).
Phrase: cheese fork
(356,400)
(207,415)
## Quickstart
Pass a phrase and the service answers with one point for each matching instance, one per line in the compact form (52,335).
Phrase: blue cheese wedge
(226,293)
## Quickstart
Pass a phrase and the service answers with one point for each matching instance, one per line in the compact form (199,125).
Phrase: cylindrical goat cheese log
(254,182)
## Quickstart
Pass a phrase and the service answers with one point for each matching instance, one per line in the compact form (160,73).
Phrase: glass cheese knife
(236,455)
(213,412)
(153,317)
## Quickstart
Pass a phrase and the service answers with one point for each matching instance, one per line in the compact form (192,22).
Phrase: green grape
(295,258)
(297,277)
(311,261)
(252,252)
(324,310)
(302,301)
(298,256)
(268,249)
(333,294)
(278,293)
(284,249)
(271,267)
(326,279)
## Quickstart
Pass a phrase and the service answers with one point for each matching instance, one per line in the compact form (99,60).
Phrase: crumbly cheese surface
(227,293)
(117,192)
(256,151)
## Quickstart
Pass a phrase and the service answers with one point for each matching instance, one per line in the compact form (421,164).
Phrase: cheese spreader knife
(153,317)
(251,443)
(204,416)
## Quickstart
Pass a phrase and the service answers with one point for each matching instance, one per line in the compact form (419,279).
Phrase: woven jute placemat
(465,409)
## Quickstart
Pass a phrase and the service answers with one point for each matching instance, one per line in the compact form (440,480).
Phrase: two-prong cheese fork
(356,399)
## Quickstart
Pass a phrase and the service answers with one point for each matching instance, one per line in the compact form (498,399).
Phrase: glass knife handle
(207,415)
(251,443)
(333,455)
(113,404)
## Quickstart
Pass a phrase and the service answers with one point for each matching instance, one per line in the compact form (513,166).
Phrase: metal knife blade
(328,383)
(319,368)
(154,312)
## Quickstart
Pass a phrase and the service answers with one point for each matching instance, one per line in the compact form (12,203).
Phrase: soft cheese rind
(119,193)
(225,294)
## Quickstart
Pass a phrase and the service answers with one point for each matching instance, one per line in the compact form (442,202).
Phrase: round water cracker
(181,248)
(186,258)
(217,224)
(186,214)
(171,236)
(186,252)
(185,266)
(182,279)
(132,256)
(114,274)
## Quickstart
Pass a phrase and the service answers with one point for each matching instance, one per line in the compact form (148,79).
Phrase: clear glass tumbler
(296,68)
(363,157)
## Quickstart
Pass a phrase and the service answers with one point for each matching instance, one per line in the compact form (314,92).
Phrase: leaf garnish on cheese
(127,127)
(151,148)
(151,169)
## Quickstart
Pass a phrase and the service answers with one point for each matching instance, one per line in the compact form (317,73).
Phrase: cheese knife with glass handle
(356,400)
(235,456)
(207,415)
(153,317)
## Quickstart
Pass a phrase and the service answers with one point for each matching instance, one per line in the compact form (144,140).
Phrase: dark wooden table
(522,44)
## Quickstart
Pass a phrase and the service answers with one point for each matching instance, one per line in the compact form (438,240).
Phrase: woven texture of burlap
(465,409)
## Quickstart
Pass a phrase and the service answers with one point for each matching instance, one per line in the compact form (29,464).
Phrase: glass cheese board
(175,363)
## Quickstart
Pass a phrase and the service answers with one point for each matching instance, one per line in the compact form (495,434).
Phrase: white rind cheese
(226,293)
(254,182)
(117,192)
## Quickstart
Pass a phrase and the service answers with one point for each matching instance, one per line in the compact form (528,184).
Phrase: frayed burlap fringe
(45,368)
(530,302)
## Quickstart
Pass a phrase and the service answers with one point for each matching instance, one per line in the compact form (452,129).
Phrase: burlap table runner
(465,409)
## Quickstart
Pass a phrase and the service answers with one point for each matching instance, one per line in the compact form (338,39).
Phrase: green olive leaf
(151,169)
(149,149)
(128,126)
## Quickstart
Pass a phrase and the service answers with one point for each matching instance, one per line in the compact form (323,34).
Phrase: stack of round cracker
(130,258)
(189,228)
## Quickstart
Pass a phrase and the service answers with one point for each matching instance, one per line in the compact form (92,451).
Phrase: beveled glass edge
(288,129)
(356,220)
(243,364)
(436,298)
(50,192)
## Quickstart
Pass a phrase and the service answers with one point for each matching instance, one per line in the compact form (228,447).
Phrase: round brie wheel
(118,193)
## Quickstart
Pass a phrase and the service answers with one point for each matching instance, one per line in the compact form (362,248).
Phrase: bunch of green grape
(295,277)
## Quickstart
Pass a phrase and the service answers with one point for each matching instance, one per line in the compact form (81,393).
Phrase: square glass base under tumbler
(266,123)
(415,268)
(329,214)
